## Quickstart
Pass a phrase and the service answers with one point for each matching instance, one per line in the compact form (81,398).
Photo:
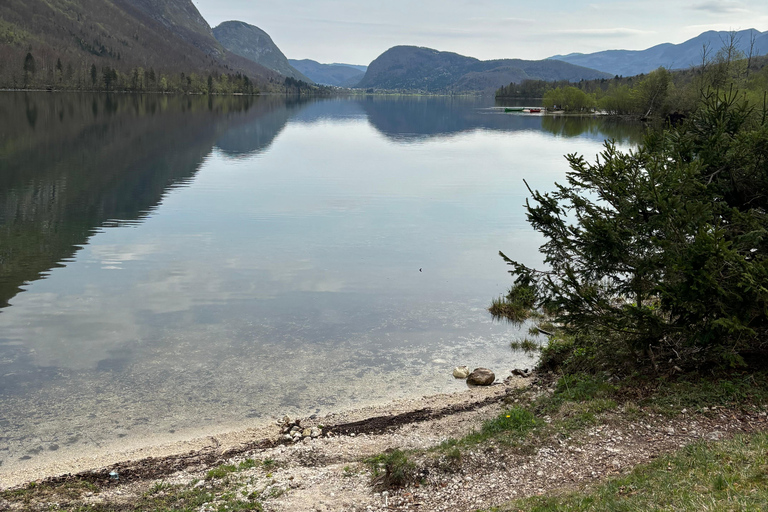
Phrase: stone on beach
(461,372)
(481,377)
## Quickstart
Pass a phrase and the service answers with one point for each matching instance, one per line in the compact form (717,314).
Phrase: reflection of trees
(80,162)
(601,127)
(414,118)
(410,119)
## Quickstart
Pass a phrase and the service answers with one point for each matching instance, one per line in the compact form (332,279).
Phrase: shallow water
(171,264)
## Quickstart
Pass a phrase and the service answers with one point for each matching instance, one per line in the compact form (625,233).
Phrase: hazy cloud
(721,7)
(603,32)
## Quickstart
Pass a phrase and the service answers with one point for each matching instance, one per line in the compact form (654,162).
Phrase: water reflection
(595,127)
(416,119)
(211,260)
(80,162)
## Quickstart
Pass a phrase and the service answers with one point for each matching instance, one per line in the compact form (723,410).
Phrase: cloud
(502,21)
(721,7)
(603,32)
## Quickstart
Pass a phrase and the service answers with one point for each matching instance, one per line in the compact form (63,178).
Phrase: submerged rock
(481,377)
(461,372)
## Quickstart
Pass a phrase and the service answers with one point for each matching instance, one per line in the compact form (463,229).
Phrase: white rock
(461,372)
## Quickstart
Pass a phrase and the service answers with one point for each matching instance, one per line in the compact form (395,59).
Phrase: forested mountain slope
(417,68)
(66,38)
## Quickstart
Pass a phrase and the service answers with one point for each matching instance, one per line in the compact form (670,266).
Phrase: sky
(356,32)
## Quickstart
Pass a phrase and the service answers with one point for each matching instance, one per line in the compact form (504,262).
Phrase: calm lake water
(173,264)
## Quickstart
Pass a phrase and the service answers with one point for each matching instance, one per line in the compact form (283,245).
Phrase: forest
(657,94)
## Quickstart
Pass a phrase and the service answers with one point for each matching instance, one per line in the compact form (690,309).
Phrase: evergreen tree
(664,248)
(30,68)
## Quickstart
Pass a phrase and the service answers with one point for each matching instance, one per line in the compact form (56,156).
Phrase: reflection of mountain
(417,118)
(413,119)
(74,163)
(259,132)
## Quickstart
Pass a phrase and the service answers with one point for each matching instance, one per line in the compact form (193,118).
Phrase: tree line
(34,74)
(656,94)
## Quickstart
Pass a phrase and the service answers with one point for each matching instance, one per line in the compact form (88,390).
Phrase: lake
(178,265)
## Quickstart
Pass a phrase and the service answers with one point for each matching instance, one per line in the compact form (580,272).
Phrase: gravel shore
(327,473)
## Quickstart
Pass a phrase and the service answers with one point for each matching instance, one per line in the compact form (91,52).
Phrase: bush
(664,248)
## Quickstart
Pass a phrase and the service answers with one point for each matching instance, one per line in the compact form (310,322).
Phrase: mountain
(354,66)
(340,75)
(668,55)
(425,69)
(254,44)
(167,36)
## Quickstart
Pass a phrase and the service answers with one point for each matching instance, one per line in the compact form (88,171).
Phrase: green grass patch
(68,490)
(740,391)
(187,498)
(526,345)
(723,476)
(574,416)
(391,469)
(247,464)
(509,427)
(220,471)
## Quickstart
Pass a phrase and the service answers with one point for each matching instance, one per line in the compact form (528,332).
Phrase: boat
(514,109)
(534,110)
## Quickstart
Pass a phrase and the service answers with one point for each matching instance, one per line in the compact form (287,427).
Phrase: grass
(526,345)
(508,310)
(722,476)
(509,427)
(219,494)
(226,469)
(739,391)
(391,469)
(68,490)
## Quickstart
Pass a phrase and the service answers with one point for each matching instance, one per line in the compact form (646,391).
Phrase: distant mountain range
(425,69)
(668,55)
(169,36)
(69,38)
(254,44)
(340,75)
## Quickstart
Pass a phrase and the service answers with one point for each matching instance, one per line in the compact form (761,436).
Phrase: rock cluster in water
(294,432)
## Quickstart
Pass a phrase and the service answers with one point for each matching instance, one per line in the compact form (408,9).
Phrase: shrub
(663,250)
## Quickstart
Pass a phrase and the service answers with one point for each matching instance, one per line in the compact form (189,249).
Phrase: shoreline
(157,458)
(333,472)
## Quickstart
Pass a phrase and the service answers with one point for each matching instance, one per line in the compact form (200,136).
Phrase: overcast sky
(356,32)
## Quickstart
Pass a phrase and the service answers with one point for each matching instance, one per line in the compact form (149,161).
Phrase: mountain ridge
(668,55)
(427,69)
(251,42)
(339,75)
